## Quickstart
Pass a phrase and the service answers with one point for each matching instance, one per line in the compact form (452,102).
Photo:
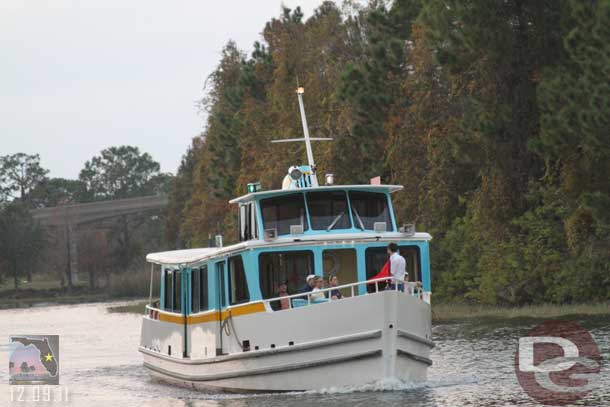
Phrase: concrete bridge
(71,216)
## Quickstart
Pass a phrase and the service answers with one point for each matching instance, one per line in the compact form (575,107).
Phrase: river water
(100,366)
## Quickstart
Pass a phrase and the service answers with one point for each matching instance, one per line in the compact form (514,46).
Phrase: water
(100,366)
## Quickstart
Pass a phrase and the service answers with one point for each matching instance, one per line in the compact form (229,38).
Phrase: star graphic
(48,357)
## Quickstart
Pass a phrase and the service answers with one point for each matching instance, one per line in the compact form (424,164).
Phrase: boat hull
(349,342)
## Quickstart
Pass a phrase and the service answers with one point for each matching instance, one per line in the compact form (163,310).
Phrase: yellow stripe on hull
(213,315)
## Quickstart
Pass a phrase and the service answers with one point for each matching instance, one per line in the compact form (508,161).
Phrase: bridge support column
(72,243)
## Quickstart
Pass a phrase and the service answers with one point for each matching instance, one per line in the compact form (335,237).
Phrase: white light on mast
(300,92)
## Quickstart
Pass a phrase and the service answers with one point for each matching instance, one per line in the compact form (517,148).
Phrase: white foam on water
(396,385)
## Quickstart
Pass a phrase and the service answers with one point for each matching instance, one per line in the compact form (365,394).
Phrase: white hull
(349,342)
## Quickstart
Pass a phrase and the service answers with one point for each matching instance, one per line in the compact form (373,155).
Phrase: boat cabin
(286,235)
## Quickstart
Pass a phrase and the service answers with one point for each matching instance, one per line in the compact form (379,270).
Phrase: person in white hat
(310,283)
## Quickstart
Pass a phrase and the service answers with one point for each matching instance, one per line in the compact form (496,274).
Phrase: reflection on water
(100,364)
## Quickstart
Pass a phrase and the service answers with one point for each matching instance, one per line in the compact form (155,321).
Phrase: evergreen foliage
(494,115)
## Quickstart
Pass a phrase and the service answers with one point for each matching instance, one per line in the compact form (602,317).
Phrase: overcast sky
(79,76)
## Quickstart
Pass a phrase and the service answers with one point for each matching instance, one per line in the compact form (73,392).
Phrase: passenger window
(203,288)
(177,303)
(167,291)
(290,267)
(376,257)
(247,222)
(238,285)
(195,286)
(220,283)
(341,263)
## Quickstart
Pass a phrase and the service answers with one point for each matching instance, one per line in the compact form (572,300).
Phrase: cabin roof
(187,256)
(193,256)
(379,188)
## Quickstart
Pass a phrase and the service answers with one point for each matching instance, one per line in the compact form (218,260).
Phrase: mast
(300,92)
(312,165)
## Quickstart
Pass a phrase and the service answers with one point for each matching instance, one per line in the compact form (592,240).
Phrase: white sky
(77,76)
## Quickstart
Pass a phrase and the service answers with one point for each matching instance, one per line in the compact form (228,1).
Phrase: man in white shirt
(398,267)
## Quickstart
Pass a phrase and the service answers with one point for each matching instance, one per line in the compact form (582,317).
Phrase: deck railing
(408,288)
(303,299)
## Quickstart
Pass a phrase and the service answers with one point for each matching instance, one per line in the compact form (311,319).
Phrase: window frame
(168,288)
(279,198)
(410,267)
(177,291)
(247,221)
(389,221)
(204,297)
(261,272)
(330,193)
(231,270)
(195,287)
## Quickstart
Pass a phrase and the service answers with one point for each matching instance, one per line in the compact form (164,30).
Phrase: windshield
(368,208)
(282,212)
(328,210)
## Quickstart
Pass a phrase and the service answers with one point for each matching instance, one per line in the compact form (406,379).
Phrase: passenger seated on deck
(282,303)
(316,293)
(310,283)
(333,281)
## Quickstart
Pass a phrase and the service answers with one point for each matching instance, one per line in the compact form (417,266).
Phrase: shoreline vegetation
(46,289)
(446,313)
(451,313)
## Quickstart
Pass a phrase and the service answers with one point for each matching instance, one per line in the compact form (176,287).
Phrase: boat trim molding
(416,338)
(266,370)
(270,352)
(413,356)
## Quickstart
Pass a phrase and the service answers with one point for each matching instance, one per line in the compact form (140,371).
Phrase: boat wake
(395,385)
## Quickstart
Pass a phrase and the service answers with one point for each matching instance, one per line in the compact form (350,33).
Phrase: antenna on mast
(300,91)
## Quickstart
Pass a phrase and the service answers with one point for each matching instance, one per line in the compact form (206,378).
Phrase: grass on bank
(135,308)
(442,313)
(47,289)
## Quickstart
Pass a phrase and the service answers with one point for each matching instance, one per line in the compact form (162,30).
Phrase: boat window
(368,208)
(376,257)
(291,267)
(281,212)
(341,263)
(195,287)
(328,210)
(247,222)
(220,283)
(203,288)
(167,290)
(177,300)
(238,285)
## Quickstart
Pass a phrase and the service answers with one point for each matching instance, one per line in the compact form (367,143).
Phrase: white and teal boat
(221,324)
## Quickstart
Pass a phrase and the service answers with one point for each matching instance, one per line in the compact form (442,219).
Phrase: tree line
(104,247)
(492,114)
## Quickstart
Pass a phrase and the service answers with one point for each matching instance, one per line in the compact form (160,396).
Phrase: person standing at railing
(398,268)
